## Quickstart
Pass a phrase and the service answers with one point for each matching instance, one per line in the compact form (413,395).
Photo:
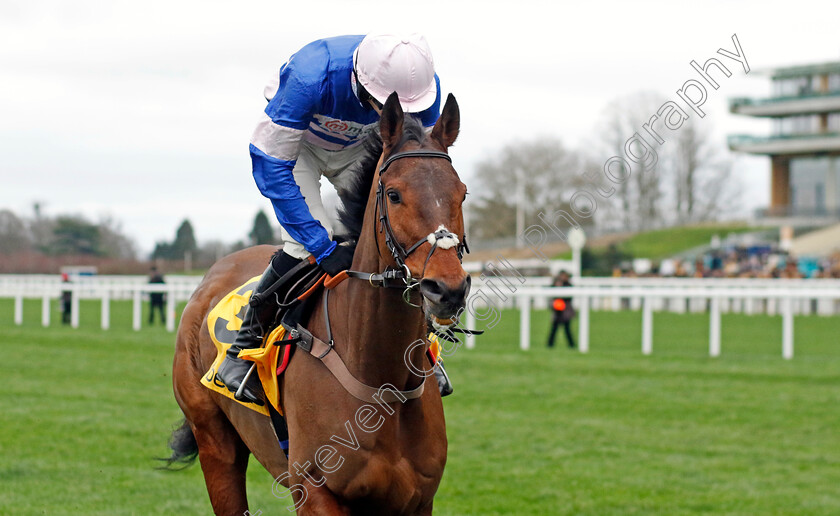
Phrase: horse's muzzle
(442,300)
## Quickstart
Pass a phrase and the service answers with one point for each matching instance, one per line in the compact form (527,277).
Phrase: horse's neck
(381,326)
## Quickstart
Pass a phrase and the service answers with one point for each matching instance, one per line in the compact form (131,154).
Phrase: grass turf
(538,432)
(662,243)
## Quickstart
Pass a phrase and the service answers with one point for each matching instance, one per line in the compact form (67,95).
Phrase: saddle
(225,320)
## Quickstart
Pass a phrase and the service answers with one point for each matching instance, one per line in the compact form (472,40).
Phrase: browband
(419,153)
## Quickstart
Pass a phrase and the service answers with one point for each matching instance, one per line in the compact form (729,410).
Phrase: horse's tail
(184,447)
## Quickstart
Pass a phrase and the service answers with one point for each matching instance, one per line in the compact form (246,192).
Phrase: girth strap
(326,354)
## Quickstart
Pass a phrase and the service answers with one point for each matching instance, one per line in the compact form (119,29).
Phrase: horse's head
(420,200)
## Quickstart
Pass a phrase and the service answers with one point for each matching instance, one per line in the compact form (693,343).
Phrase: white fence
(105,288)
(784,297)
(727,290)
(715,296)
(616,294)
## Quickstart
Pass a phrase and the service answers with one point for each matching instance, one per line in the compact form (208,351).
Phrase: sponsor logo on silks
(341,128)
(337,126)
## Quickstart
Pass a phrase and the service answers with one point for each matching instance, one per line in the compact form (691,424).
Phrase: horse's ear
(391,122)
(447,127)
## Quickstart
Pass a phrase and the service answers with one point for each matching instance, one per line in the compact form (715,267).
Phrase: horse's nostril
(459,295)
(433,290)
(438,292)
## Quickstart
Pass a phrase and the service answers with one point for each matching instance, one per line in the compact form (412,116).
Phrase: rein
(325,352)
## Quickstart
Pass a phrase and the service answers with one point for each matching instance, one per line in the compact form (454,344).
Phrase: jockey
(321,106)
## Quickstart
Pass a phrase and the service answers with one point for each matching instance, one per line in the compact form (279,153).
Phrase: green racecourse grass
(542,432)
(662,243)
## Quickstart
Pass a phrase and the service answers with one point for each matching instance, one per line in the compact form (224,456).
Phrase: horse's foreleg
(224,459)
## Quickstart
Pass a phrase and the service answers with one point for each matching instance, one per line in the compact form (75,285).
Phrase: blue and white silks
(311,102)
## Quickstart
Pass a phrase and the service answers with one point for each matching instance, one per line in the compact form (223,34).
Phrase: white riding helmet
(385,63)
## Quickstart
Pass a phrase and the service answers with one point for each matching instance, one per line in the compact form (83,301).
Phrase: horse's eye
(394,196)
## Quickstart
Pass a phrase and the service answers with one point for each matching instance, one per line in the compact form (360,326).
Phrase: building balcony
(786,106)
(798,211)
(796,216)
(785,144)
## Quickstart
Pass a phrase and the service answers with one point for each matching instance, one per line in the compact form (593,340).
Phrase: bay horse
(344,458)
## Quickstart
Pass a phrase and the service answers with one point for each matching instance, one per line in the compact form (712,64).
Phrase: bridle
(400,277)
(390,277)
(399,253)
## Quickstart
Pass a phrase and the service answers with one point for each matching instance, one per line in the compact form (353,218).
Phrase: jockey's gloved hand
(340,259)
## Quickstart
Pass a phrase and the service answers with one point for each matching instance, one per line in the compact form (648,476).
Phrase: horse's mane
(354,198)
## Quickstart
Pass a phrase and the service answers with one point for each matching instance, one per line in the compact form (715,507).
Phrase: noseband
(398,252)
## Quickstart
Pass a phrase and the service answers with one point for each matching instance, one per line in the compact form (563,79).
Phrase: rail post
(714,328)
(74,306)
(106,310)
(136,311)
(170,308)
(647,325)
(19,309)
(583,325)
(525,322)
(469,340)
(45,310)
(787,328)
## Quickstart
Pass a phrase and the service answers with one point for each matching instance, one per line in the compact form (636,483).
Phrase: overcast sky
(142,111)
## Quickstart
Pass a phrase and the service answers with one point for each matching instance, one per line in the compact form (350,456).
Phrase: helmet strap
(367,100)
(375,105)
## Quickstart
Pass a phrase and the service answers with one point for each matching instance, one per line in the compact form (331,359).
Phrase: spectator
(747,262)
(563,312)
(66,299)
(157,300)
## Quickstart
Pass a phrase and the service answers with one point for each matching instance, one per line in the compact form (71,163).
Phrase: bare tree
(113,241)
(41,228)
(535,176)
(688,181)
(614,132)
(13,234)
(636,202)
(701,170)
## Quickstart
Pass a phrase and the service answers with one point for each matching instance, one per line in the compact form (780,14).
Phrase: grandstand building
(804,147)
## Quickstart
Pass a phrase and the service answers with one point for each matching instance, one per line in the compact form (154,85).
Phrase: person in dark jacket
(66,300)
(563,312)
(157,300)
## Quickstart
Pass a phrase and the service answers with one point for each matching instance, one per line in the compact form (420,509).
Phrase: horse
(346,456)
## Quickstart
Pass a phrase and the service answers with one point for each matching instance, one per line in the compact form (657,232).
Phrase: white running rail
(715,296)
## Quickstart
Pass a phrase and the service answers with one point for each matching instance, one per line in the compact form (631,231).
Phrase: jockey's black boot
(444,385)
(254,323)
